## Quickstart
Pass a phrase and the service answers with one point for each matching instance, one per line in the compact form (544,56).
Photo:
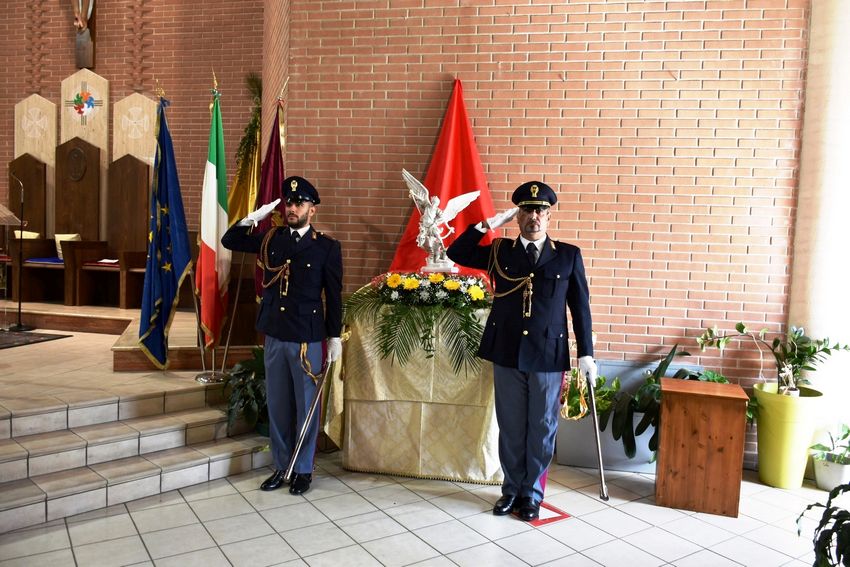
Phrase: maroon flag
(270,179)
(455,169)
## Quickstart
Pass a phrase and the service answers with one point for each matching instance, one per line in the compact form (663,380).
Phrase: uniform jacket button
(283,308)
(525,332)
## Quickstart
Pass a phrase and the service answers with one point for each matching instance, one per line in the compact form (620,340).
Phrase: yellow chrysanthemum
(411,283)
(436,277)
(475,292)
(451,285)
(393,281)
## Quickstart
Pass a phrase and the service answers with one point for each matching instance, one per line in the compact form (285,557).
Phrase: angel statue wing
(457,204)
(418,192)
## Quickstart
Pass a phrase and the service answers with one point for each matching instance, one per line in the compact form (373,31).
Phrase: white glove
(499,219)
(259,214)
(587,368)
(334,349)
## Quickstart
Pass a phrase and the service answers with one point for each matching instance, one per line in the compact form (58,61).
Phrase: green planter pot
(786,425)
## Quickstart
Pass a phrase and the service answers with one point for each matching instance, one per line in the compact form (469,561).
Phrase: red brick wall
(179,43)
(670,129)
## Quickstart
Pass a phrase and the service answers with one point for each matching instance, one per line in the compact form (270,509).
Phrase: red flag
(270,179)
(455,169)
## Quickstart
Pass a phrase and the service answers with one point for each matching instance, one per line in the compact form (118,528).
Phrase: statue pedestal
(443,266)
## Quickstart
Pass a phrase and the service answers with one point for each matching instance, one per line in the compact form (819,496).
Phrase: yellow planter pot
(786,425)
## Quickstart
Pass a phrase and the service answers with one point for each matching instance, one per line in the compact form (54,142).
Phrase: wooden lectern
(701,446)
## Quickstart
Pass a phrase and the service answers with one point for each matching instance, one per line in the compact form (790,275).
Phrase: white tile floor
(352,519)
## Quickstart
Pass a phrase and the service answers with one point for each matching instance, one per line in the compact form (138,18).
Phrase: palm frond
(362,305)
(462,333)
(399,332)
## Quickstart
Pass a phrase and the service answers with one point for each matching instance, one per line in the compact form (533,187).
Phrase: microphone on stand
(19,326)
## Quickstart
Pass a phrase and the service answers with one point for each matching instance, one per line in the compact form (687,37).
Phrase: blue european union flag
(169,256)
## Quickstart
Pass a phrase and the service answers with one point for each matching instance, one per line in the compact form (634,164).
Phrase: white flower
(423,295)
(442,294)
(394,295)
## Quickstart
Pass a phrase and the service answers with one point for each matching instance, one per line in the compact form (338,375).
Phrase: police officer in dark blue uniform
(300,265)
(536,279)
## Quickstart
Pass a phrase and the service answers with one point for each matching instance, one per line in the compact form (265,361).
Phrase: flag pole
(233,313)
(198,333)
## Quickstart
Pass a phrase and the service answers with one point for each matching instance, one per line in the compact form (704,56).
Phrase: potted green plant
(633,410)
(832,535)
(646,403)
(245,391)
(832,462)
(786,409)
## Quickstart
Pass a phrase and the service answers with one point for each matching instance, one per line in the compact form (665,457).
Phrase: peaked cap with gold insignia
(295,189)
(534,193)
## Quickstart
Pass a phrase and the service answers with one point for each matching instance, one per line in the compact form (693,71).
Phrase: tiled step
(30,501)
(55,451)
(67,452)
(30,413)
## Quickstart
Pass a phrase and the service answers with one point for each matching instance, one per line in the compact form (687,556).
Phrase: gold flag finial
(215,81)
(283,89)
(158,90)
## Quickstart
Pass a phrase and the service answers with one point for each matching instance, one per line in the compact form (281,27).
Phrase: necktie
(532,251)
(295,236)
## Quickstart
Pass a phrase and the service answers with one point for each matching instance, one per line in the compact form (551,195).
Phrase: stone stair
(65,454)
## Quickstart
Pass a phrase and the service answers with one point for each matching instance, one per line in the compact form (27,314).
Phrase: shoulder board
(317,234)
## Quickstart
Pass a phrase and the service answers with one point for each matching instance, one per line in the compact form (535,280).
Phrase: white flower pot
(829,475)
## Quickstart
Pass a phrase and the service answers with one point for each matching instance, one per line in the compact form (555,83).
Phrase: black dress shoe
(275,481)
(300,483)
(529,509)
(504,505)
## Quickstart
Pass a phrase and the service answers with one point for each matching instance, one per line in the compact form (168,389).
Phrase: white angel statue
(433,226)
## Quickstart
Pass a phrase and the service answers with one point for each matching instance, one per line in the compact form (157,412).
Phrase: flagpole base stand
(211,377)
(20,328)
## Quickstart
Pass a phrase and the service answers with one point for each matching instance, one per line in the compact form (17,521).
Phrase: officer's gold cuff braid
(526,282)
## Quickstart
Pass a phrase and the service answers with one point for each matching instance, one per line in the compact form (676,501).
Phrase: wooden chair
(119,280)
(43,275)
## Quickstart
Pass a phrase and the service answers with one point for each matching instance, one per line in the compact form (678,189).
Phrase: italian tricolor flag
(213,260)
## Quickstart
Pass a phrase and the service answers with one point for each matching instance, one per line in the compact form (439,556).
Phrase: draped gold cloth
(421,420)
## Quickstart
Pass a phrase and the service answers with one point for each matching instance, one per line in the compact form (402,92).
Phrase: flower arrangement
(408,307)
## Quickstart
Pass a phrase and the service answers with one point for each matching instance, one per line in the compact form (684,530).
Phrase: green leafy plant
(838,450)
(831,538)
(245,391)
(646,402)
(793,352)
(408,308)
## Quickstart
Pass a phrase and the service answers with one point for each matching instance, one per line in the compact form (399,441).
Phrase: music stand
(7,218)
